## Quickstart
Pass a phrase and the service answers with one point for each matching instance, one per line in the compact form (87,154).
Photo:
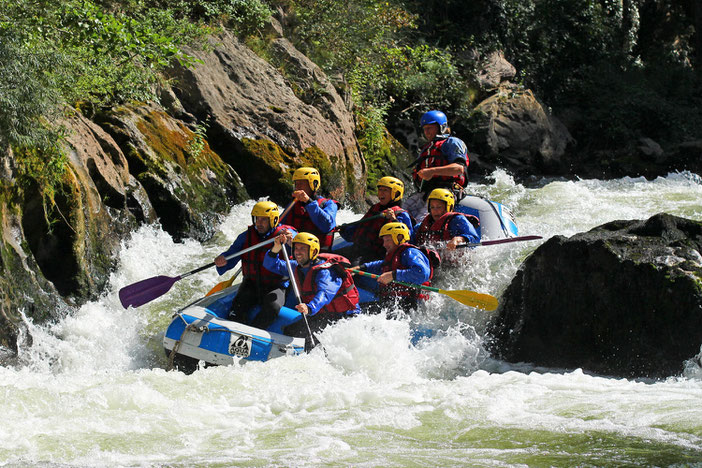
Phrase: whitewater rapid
(91,389)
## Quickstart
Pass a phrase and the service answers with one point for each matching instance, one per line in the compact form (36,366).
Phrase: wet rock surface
(622,299)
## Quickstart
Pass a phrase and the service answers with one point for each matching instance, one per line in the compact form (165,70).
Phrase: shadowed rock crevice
(51,245)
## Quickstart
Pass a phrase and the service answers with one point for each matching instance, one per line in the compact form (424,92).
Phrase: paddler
(312,213)
(327,290)
(403,262)
(445,225)
(259,286)
(367,244)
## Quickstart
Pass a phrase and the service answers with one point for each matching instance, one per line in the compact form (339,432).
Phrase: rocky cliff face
(266,124)
(623,299)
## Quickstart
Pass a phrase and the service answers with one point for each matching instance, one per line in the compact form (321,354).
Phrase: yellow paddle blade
(472,299)
(222,285)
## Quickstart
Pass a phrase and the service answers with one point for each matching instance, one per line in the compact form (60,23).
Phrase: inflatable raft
(202,332)
(496,220)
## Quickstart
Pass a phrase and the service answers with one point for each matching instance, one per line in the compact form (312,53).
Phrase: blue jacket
(455,150)
(324,217)
(457,226)
(328,282)
(402,217)
(416,267)
(238,245)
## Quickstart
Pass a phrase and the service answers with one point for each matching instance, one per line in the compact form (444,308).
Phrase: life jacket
(252,261)
(300,219)
(393,262)
(346,298)
(433,231)
(431,156)
(365,239)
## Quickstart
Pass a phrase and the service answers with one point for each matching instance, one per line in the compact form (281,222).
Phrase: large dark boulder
(623,299)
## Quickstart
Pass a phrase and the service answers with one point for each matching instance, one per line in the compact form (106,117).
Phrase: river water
(92,390)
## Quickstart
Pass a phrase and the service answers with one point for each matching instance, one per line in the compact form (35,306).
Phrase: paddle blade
(472,299)
(221,285)
(144,291)
(309,343)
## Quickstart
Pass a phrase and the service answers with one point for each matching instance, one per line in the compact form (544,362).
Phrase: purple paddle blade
(147,290)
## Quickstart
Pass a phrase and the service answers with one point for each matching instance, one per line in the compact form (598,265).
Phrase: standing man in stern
(442,163)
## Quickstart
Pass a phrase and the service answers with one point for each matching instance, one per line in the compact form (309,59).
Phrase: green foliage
(336,34)
(388,72)
(243,16)
(663,103)
(29,98)
(419,77)
(100,53)
(197,144)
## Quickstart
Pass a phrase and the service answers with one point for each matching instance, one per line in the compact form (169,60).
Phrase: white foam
(90,390)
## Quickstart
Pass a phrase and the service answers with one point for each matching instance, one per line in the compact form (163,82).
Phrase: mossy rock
(267,168)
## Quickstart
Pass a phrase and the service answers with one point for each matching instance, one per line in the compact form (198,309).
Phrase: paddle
(285,212)
(362,220)
(147,290)
(499,241)
(309,341)
(224,284)
(469,298)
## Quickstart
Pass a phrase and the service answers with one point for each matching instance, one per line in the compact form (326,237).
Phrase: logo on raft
(240,346)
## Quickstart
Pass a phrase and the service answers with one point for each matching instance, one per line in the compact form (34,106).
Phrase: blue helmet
(434,116)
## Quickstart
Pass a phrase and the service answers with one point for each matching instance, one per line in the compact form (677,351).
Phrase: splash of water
(90,390)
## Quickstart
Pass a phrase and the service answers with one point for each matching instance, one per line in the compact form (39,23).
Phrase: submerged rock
(623,299)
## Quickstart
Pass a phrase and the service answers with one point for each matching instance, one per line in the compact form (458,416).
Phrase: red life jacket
(433,231)
(393,262)
(431,156)
(252,262)
(345,299)
(300,219)
(365,238)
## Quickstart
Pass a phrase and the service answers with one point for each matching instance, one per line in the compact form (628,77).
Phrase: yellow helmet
(443,195)
(266,208)
(395,230)
(395,185)
(310,240)
(310,174)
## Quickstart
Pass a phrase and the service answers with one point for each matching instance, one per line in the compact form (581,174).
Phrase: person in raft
(259,286)
(445,225)
(442,162)
(327,290)
(367,245)
(403,262)
(312,213)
